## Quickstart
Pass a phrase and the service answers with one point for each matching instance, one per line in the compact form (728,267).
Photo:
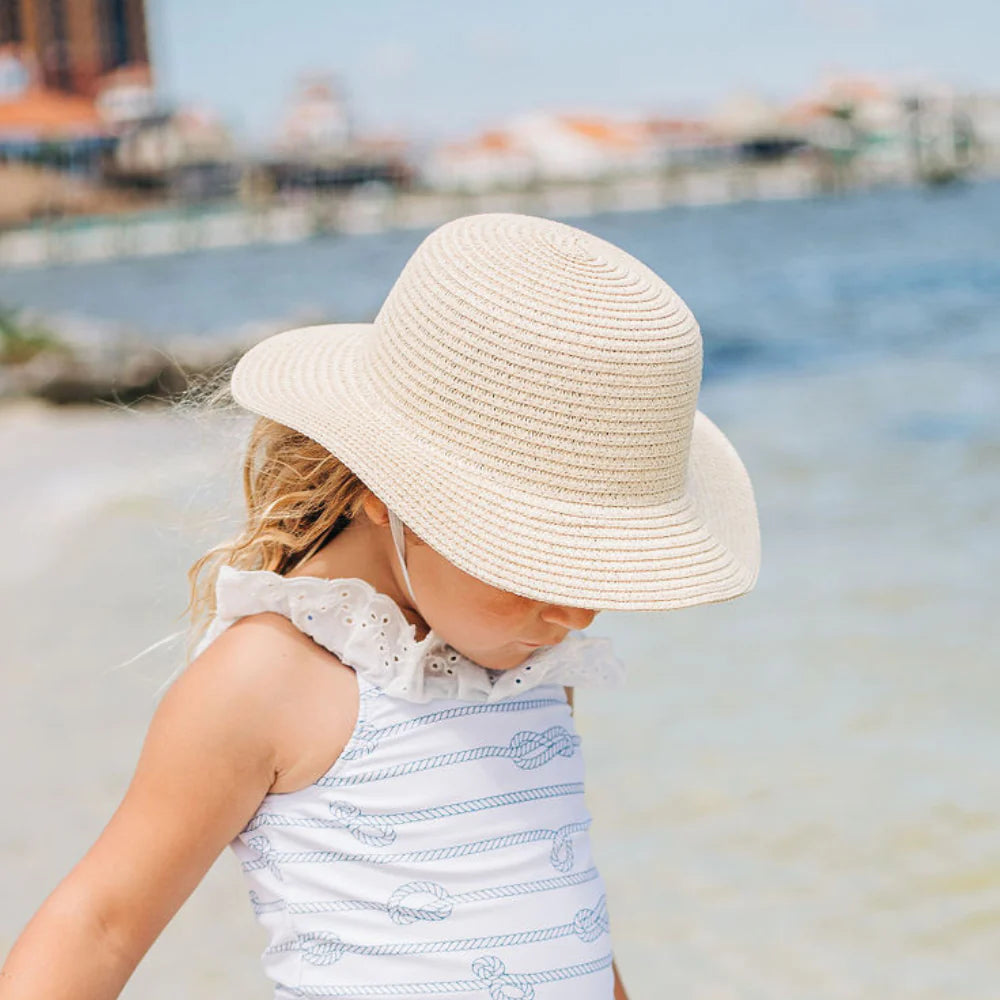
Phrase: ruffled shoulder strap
(369,632)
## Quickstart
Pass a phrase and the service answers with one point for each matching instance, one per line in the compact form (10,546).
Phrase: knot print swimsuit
(445,852)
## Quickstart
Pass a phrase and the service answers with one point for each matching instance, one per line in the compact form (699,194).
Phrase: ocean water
(797,794)
(774,284)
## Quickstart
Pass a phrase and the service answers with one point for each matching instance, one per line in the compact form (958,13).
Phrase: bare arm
(207,761)
(620,993)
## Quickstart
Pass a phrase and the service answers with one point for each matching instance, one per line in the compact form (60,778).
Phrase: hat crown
(548,357)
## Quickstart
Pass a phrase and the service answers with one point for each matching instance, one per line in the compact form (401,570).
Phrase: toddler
(375,713)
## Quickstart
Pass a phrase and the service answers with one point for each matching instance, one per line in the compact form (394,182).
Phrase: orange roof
(857,87)
(495,140)
(49,114)
(600,130)
(675,126)
(491,141)
(805,111)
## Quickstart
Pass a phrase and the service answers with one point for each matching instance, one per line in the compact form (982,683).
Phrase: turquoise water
(797,795)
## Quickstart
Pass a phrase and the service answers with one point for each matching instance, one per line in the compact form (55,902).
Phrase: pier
(233,224)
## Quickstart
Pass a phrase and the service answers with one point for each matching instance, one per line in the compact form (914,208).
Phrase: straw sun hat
(525,401)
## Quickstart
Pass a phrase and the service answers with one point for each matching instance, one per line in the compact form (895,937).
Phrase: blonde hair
(297,495)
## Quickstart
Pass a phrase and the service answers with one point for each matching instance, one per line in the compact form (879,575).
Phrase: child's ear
(375,509)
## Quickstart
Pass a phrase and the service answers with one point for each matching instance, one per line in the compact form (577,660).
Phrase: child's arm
(620,993)
(208,759)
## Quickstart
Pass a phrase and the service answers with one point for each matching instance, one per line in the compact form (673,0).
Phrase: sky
(435,70)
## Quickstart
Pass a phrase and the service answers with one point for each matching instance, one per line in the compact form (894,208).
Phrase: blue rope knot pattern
(414,901)
(321,949)
(590,924)
(266,855)
(532,750)
(265,905)
(324,948)
(527,749)
(489,973)
(368,829)
(561,855)
(501,984)
(363,742)
(400,906)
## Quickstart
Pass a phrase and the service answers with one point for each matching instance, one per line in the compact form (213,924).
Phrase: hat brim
(700,548)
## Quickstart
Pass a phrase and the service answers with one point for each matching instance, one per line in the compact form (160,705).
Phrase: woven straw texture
(525,401)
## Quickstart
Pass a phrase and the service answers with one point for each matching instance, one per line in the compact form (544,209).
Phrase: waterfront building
(317,123)
(72,44)
(545,146)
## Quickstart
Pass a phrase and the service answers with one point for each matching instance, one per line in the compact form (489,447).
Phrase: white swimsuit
(445,852)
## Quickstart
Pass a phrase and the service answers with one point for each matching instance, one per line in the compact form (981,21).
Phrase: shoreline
(170,231)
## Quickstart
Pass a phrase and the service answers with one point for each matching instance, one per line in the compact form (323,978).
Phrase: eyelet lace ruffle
(367,631)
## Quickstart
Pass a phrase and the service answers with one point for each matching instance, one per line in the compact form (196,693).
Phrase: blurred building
(188,154)
(77,94)
(912,130)
(45,126)
(317,123)
(752,129)
(492,159)
(316,148)
(69,45)
(126,95)
(71,72)
(545,146)
(984,111)
(687,142)
(854,119)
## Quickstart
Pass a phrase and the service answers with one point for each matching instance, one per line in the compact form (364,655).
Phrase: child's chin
(506,660)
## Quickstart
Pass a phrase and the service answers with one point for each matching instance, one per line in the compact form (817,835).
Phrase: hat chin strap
(396,527)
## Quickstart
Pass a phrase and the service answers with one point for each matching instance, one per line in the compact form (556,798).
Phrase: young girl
(374,718)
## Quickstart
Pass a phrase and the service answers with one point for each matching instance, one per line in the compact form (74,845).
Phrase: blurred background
(797,795)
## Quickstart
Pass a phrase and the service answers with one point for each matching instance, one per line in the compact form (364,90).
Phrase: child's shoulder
(300,697)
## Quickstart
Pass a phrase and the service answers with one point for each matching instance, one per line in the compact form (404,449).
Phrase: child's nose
(567,617)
